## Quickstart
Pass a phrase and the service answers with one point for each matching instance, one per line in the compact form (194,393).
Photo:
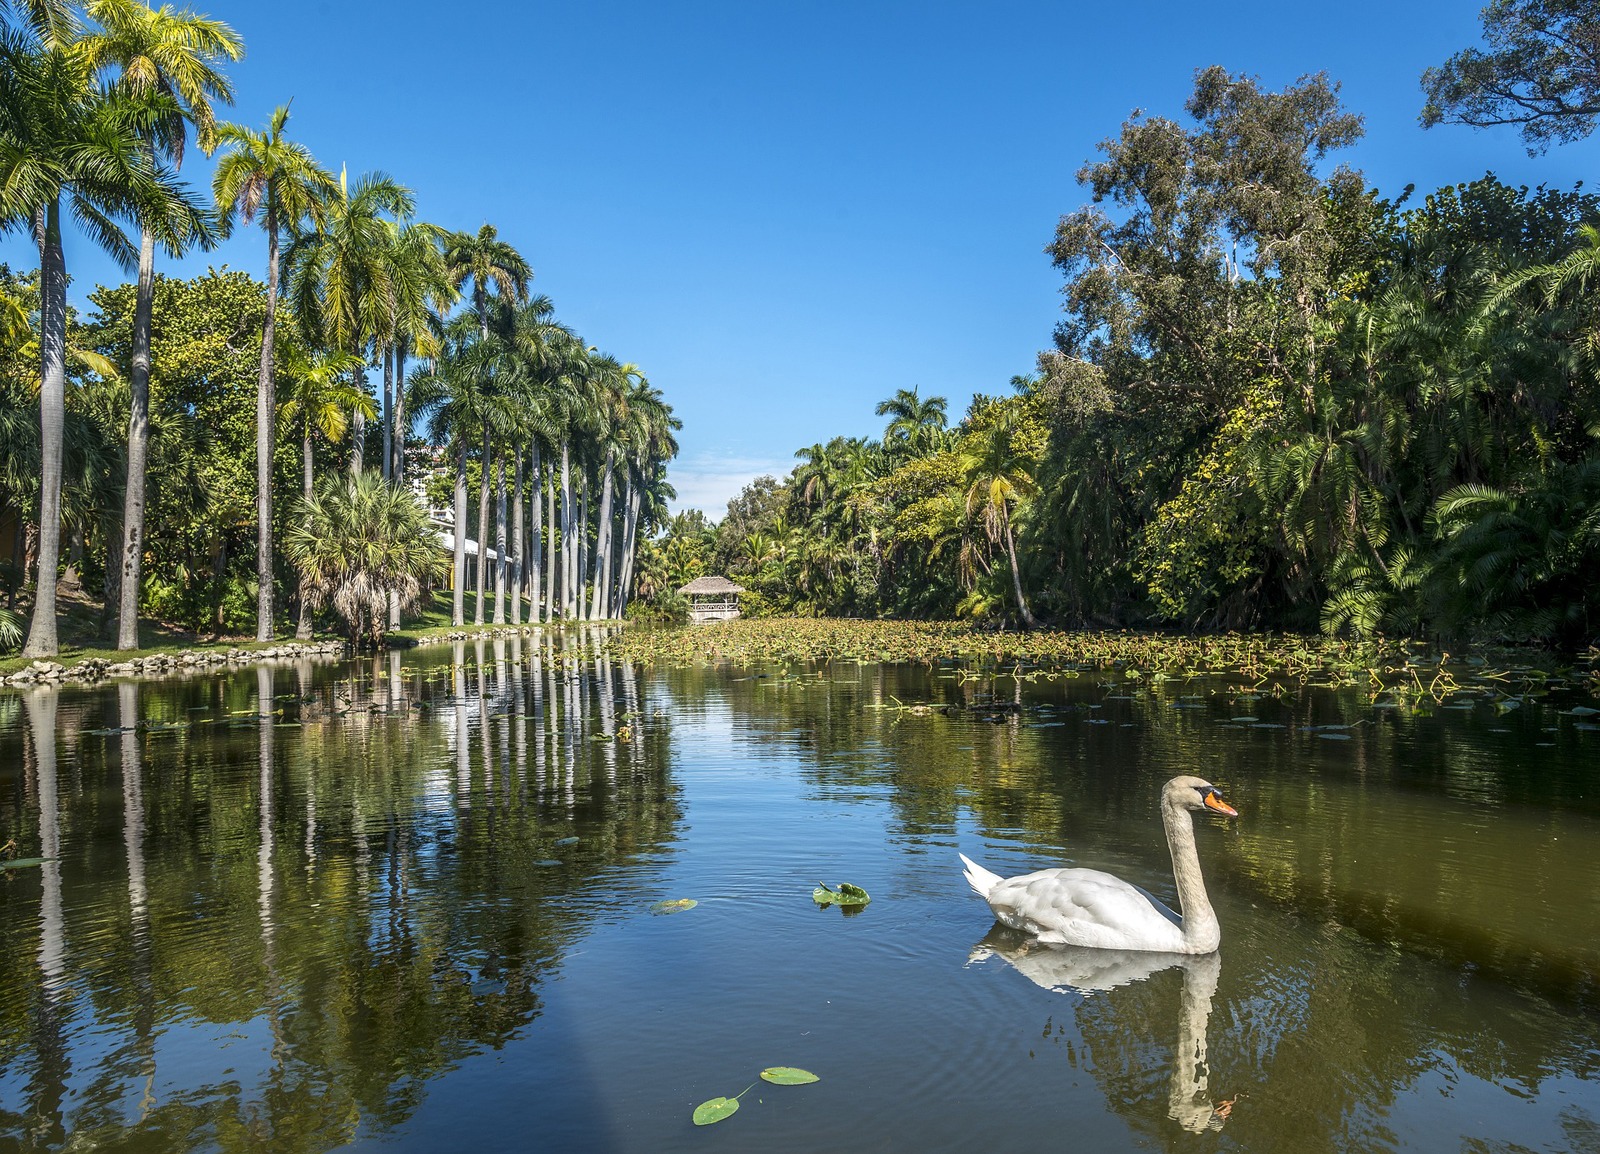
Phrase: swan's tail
(980,879)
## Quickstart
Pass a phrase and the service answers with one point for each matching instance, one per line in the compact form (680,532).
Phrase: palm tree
(168,62)
(996,481)
(914,423)
(342,278)
(361,540)
(63,140)
(263,175)
(320,398)
(487,261)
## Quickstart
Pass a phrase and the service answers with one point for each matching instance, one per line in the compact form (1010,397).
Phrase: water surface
(324,906)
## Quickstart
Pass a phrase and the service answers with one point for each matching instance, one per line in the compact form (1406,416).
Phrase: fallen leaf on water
(673,906)
(788,1076)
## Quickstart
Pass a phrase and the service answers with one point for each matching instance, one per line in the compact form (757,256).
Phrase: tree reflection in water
(389,923)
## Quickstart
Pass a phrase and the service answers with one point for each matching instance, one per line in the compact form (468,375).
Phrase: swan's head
(1196,793)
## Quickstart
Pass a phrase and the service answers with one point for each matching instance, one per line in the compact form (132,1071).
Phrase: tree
(64,142)
(167,63)
(487,261)
(360,540)
(914,423)
(264,175)
(1541,73)
(343,275)
(997,481)
(321,398)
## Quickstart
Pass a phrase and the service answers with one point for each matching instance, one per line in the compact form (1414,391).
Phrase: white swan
(1079,907)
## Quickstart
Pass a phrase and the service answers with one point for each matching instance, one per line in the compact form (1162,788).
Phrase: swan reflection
(1064,969)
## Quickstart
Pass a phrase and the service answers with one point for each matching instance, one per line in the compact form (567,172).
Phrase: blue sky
(784,212)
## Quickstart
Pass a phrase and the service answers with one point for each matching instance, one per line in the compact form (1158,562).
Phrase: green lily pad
(24,862)
(715,1110)
(845,895)
(566,841)
(673,906)
(788,1076)
(550,861)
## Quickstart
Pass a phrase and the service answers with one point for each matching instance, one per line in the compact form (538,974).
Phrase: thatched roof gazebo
(712,599)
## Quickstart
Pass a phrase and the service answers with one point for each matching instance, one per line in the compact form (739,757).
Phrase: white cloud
(708,481)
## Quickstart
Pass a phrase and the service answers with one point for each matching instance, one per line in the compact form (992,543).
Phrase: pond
(416,902)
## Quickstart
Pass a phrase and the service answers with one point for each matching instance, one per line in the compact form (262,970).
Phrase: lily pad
(566,841)
(24,862)
(715,1110)
(845,895)
(673,906)
(788,1076)
(549,861)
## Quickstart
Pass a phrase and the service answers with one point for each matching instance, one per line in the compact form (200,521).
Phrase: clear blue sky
(781,211)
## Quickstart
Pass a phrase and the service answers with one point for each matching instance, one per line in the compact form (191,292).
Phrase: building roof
(714,584)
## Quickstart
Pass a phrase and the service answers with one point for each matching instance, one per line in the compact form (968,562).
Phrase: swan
(1079,907)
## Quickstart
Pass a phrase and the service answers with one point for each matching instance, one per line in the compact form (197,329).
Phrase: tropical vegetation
(143,459)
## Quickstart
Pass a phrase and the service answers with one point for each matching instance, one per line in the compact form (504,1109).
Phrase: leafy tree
(1541,73)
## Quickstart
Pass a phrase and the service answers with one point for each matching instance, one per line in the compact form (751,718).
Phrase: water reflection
(1086,971)
(407,898)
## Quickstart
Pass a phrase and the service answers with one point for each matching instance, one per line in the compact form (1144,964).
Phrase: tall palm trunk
(397,468)
(582,558)
(138,447)
(266,411)
(550,558)
(52,425)
(388,413)
(1016,576)
(569,537)
(358,419)
(630,544)
(458,616)
(518,536)
(619,590)
(302,629)
(600,601)
(483,527)
(500,538)
(536,558)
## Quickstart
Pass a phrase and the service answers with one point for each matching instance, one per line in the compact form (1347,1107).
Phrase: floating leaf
(845,895)
(788,1076)
(24,862)
(715,1110)
(1582,711)
(547,862)
(673,906)
(566,841)
(1334,736)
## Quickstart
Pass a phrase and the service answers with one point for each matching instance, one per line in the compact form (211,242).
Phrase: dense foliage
(1276,398)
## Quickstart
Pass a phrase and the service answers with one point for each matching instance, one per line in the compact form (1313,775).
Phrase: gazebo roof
(710,585)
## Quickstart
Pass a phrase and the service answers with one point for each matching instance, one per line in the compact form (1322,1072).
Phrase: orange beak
(1216,805)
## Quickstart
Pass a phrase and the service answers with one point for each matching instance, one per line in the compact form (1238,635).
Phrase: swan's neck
(1201,933)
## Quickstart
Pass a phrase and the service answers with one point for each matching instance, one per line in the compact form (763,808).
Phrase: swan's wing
(1086,908)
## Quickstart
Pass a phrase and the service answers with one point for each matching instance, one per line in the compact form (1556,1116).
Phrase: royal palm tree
(487,261)
(168,64)
(343,279)
(65,143)
(264,176)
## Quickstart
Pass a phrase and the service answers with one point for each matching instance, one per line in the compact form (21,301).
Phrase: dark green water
(318,907)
